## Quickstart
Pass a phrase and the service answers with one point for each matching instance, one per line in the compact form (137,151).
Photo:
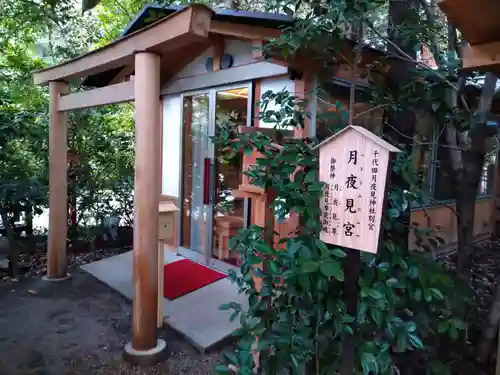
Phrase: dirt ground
(81,326)
(78,327)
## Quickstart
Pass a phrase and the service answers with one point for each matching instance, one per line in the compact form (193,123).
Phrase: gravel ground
(78,327)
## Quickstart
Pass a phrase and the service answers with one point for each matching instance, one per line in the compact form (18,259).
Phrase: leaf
(304,281)
(321,245)
(234,315)
(418,295)
(348,330)
(437,293)
(294,247)
(384,266)
(265,292)
(459,324)
(264,344)
(231,357)
(243,356)
(264,248)
(311,176)
(366,367)
(362,308)
(427,295)
(273,267)
(415,341)
(393,213)
(375,294)
(392,281)
(223,369)
(368,361)
(443,326)
(295,362)
(376,316)
(338,252)
(453,332)
(411,326)
(332,269)
(413,272)
(310,266)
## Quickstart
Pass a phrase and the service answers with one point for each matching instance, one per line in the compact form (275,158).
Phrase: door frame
(212,97)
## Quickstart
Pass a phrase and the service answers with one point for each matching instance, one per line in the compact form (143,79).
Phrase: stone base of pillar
(56,279)
(146,357)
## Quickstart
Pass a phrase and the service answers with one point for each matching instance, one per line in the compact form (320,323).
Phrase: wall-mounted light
(209,64)
(226,61)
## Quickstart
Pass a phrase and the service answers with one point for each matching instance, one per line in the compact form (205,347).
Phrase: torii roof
(179,34)
(364,132)
(478,22)
(151,13)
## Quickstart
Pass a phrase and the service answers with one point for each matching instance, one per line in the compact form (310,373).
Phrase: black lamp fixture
(209,64)
(226,62)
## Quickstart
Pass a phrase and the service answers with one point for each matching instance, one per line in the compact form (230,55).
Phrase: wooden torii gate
(154,53)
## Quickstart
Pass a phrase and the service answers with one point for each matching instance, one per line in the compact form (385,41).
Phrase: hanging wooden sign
(353,164)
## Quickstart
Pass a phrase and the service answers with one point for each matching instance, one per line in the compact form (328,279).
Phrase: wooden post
(145,348)
(58,186)
(161,262)
(497,367)
(264,217)
(495,230)
(167,233)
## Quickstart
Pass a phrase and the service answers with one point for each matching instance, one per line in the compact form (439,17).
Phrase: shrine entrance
(210,212)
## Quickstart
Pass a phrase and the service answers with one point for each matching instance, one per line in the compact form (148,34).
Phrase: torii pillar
(57,263)
(145,347)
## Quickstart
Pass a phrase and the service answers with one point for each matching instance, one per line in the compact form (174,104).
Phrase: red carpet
(184,276)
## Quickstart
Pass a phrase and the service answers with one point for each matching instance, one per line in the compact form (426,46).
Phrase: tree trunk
(352,265)
(490,328)
(473,161)
(496,189)
(465,206)
(352,262)
(399,124)
(13,255)
(472,167)
(29,222)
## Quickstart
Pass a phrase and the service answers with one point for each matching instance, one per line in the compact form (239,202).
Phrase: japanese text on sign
(353,166)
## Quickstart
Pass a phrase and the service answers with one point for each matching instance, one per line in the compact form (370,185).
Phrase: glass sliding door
(196,172)
(232,110)
(210,213)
